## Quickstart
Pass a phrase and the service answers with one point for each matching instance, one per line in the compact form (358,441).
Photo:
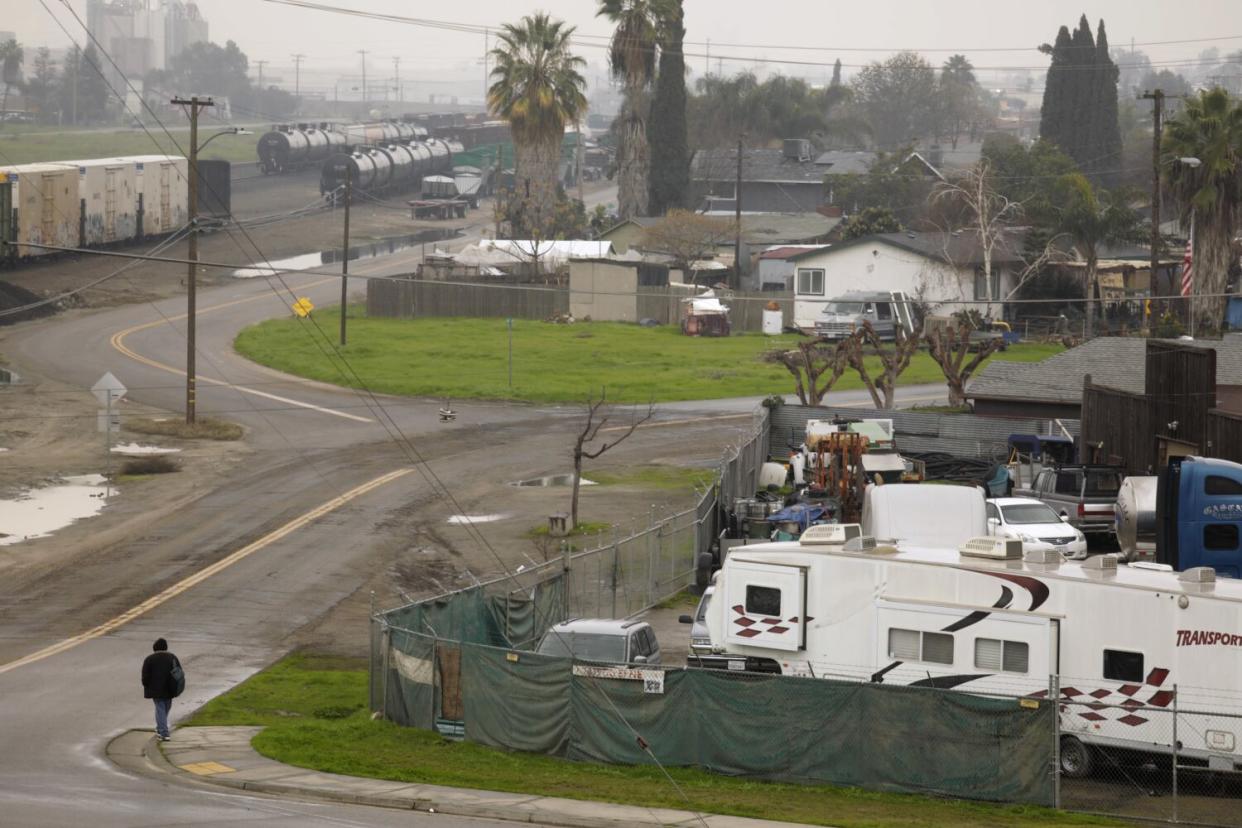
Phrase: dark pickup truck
(1083,495)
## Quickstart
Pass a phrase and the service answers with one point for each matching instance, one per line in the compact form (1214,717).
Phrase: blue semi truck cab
(1199,515)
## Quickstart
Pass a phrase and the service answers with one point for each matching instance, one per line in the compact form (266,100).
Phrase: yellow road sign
(303,307)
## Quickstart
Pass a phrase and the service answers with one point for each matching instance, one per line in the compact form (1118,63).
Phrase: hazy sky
(868,30)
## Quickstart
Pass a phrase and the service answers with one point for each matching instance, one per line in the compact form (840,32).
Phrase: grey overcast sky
(330,41)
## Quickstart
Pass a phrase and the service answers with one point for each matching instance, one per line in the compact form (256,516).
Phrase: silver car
(700,638)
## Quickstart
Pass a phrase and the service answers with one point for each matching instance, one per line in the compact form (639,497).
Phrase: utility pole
(195,103)
(737,219)
(77,70)
(396,76)
(486,76)
(707,59)
(363,52)
(1157,112)
(261,64)
(297,75)
(349,197)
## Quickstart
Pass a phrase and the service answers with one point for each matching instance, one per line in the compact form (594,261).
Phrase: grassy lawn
(314,710)
(468,358)
(47,144)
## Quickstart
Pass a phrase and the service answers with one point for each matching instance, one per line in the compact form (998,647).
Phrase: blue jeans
(162,706)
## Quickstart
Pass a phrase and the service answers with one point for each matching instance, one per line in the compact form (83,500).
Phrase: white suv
(603,640)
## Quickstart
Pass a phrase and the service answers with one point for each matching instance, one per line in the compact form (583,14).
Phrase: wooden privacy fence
(406,298)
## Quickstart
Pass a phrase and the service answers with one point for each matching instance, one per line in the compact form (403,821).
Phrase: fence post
(1175,749)
(1054,695)
(435,674)
(565,575)
(385,644)
(615,562)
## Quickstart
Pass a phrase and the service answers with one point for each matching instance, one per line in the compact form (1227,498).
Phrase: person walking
(162,681)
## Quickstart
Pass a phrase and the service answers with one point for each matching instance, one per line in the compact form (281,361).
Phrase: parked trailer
(988,618)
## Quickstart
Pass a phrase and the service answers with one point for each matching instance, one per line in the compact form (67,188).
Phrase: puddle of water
(382,247)
(551,480)
(465,520)
(131,449)
(37,513)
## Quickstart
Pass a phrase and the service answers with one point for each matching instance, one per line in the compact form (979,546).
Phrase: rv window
(903,644)
(1002,656)
(1217,485)
(761,600)
(938,648)
(883,310)
(912,645)
(810,282)
(1122,666)
(1220,536)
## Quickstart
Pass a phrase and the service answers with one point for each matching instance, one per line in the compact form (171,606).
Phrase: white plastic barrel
(772,322)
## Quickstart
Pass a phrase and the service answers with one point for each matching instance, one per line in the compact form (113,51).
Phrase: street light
(195,104)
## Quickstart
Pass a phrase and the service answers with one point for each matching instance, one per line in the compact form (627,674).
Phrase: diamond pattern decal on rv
(1132,720)
(1095,706)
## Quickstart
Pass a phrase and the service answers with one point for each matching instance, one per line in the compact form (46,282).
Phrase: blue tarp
(804,513)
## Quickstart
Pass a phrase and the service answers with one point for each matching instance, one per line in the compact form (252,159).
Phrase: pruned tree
(687,236)
(598,414)
(894,359)
(950,347)
(809,362)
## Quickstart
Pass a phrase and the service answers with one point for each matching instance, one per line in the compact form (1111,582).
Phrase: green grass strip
(315,712)
(468,358)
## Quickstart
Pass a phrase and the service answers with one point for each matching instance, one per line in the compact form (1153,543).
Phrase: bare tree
(893,360)
(809,362)
(598,413)
(688,236)
(949,347)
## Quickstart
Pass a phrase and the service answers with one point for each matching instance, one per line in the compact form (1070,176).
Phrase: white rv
(1122,639)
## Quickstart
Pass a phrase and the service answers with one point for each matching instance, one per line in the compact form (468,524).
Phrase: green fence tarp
(410,680)
(518,704)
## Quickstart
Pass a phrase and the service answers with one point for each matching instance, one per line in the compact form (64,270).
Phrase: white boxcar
(164,187)
(108,188)
(45,198)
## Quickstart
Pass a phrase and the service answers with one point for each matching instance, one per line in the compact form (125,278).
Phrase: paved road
(68,650)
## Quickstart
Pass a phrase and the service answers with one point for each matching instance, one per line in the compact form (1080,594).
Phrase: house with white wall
(944,271)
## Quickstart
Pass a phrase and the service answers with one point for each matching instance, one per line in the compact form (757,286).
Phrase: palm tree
(1093,218)
(958,90)
(1208,128)
(632,56)
(11,60)
(538,89)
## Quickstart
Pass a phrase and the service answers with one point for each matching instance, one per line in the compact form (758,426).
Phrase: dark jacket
(157,680)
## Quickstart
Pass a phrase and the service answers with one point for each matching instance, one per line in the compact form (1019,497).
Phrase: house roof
(844,162)
(957,249)
(788,252)
(1113,361)
(766,229)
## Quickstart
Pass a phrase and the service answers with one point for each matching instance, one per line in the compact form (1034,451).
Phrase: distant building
(142,37)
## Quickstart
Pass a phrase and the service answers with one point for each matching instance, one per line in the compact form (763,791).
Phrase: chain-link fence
(1135,752)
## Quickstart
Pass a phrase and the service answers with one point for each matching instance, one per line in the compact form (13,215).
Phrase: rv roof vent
(1198,575)
(1043,556)
(1151,566)
(830,534)
(1101,563)
(862,543)
(989,547)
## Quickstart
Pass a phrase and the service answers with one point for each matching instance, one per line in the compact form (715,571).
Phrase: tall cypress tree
(1080,116)
(836,73)
(668,182)
(1105,159)
(1053,115)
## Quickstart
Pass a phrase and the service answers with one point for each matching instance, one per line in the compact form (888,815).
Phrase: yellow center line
(206,572)
(118,342)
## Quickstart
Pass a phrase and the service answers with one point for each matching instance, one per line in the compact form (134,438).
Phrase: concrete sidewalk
(223,756)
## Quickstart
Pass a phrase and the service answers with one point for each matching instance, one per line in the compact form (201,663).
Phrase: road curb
(141,752)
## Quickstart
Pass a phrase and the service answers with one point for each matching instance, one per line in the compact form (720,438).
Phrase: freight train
(91,203)
(387,166)
(289,147)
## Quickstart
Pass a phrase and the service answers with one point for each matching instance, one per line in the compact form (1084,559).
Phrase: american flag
(1188,269)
